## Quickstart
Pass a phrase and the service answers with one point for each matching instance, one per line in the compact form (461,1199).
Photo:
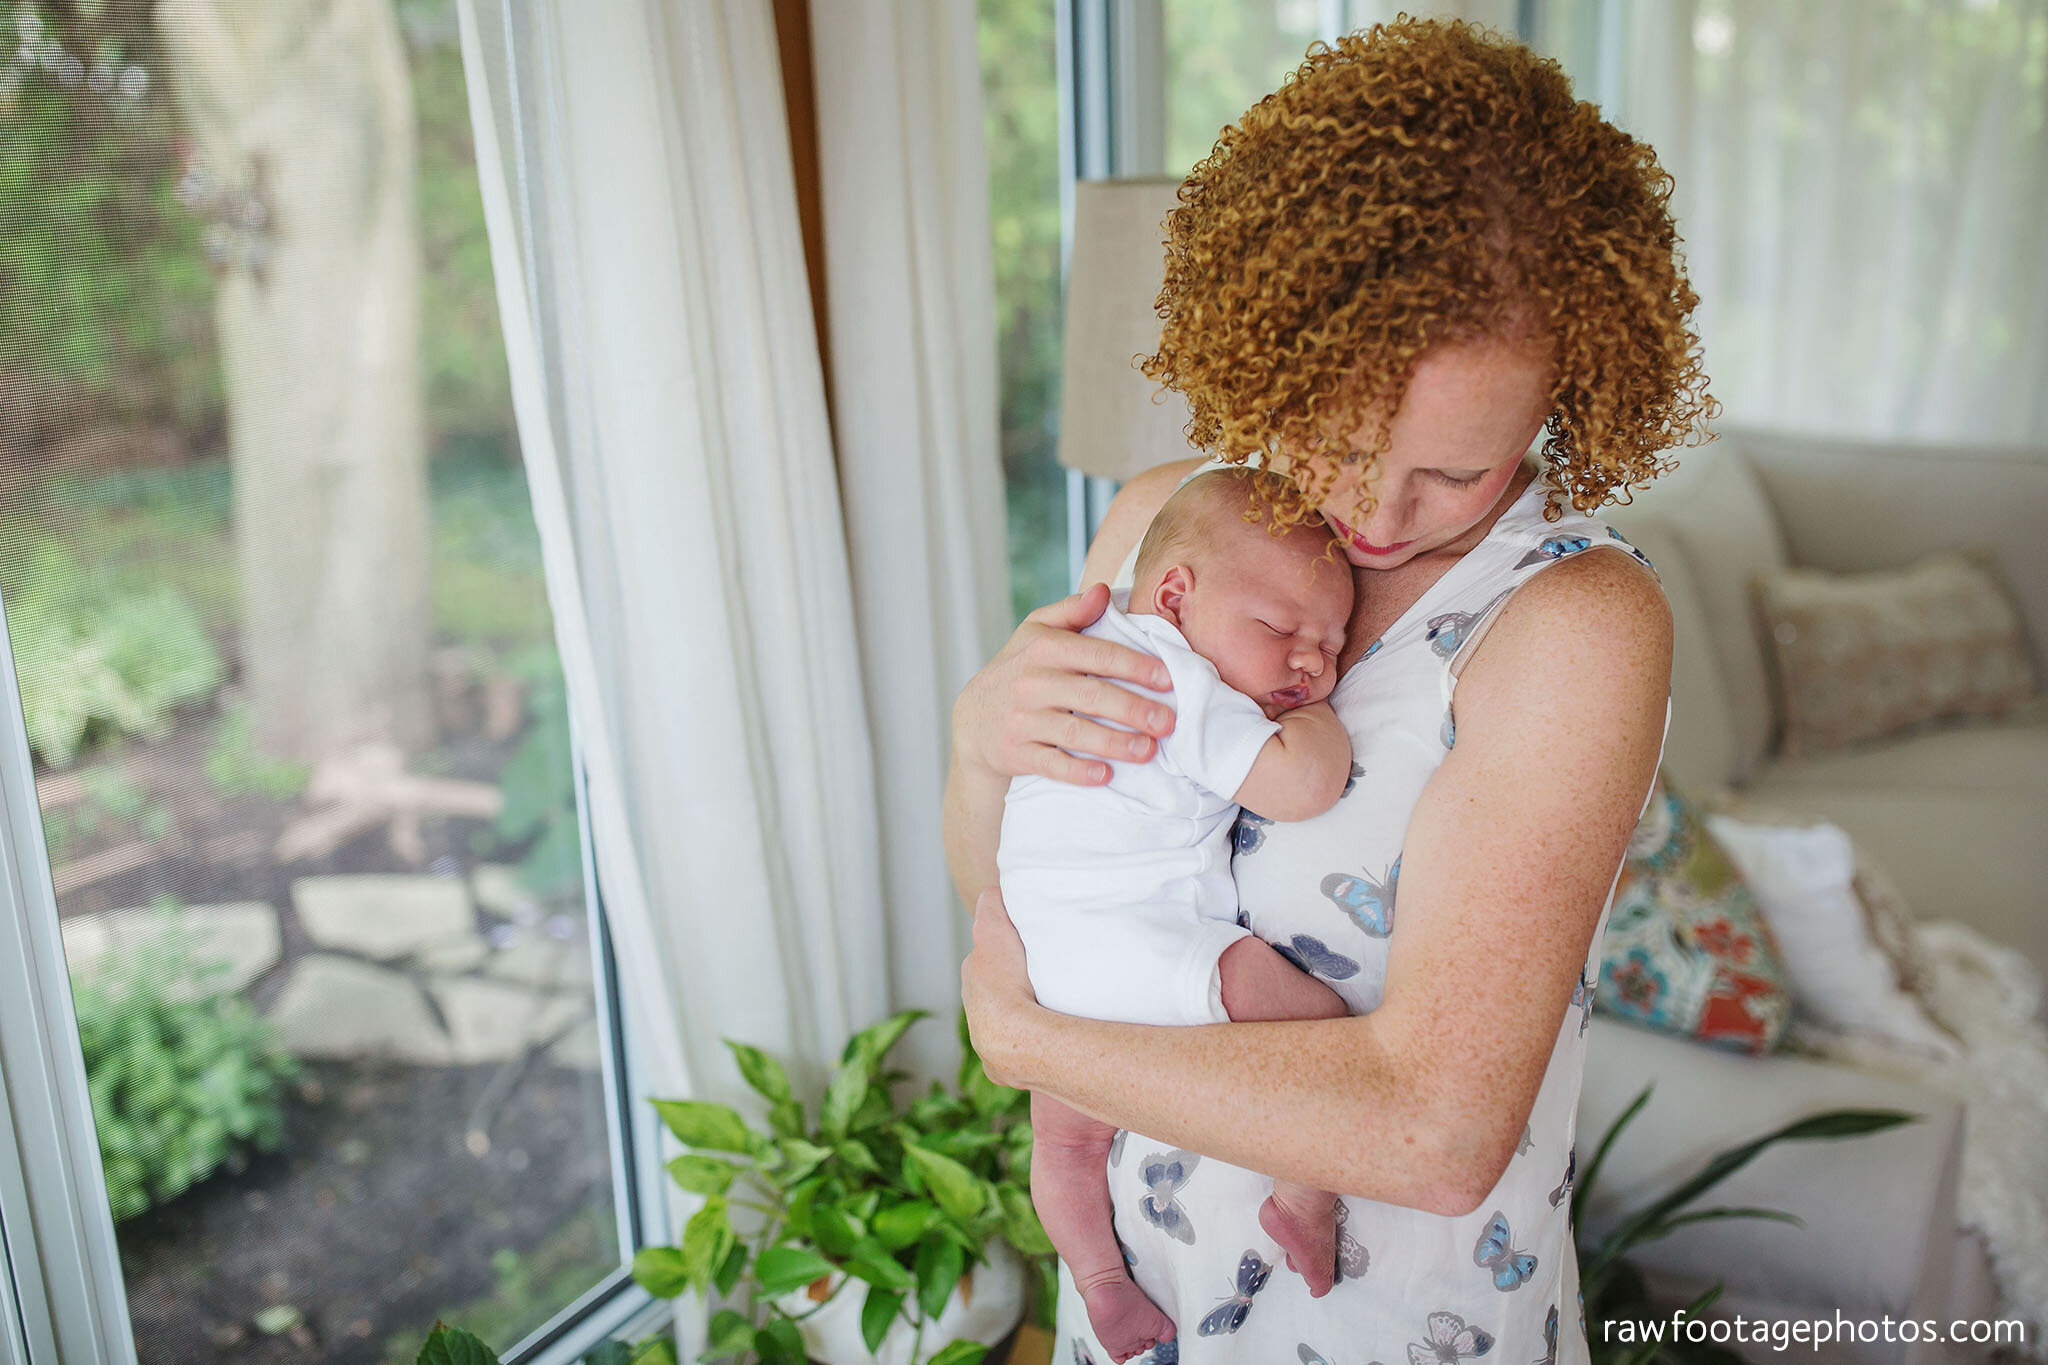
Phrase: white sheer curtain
(1861,185)
(635,164)
(911,306)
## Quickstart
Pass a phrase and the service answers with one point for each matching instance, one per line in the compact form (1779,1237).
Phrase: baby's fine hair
(1203,509)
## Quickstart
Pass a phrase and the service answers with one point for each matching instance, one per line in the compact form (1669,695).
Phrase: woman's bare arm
(1034,699)
(1509,857)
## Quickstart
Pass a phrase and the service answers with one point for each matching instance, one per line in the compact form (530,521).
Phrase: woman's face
(1469,414)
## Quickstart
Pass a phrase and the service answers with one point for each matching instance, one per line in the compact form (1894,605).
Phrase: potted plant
(1614,1290)
(872,1232)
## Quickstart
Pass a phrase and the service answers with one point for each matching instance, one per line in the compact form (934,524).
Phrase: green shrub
(91,662)
(183,1078)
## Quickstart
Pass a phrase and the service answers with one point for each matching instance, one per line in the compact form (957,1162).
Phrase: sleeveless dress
(1414,1288)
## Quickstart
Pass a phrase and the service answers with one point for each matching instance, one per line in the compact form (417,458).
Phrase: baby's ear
(1171,594)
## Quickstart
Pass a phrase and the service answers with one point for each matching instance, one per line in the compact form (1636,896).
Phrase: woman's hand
(1041,694)
(996,989)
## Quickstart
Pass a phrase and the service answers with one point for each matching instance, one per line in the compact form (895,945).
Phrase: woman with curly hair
(1388,279)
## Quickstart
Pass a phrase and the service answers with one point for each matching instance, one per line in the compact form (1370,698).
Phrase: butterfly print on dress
(1315,957)
(1582,997)
(1557,547)
(1511,1269)
(1249,832)
(1165,1173)
(1352,1257)
(1449,1341)
(1368,900)
(1549,1356)
(1253,1270)
(1571,1170)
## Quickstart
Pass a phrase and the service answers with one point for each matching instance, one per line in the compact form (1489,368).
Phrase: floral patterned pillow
(1686,949)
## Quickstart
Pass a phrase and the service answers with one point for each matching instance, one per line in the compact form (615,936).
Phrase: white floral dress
(1414,1288)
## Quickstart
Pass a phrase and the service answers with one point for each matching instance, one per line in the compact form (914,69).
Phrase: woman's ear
(1168,599)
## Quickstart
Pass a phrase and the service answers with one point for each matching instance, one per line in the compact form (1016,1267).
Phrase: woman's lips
(1365,546)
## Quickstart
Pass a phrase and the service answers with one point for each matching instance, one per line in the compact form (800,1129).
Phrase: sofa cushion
(1975,855)
(1977,757)
(1687,948)
(1879,1209)
(1729,535)
(1865,655)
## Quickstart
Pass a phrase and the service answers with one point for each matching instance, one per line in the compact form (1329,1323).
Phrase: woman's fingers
(1076,612)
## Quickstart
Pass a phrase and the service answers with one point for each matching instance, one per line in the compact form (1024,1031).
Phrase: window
(289,705)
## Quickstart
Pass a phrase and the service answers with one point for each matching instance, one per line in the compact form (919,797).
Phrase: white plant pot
(992,1304)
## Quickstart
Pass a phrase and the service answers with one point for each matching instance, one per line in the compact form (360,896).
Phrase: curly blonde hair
(1416,184)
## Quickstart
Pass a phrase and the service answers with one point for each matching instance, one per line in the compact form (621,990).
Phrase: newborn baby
(1122,893)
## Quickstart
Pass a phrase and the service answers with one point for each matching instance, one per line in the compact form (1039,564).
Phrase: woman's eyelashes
(1441,477)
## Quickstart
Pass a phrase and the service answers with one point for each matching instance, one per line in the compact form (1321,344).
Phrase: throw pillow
(1804,878)
(1862,655)
(1687,951)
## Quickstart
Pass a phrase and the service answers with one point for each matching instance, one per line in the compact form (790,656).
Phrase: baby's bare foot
(1308,1237)
(1126,1321)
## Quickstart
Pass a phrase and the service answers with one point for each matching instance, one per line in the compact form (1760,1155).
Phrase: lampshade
(1110,423)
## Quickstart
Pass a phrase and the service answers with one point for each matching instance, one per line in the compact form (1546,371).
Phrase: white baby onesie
(1122,893)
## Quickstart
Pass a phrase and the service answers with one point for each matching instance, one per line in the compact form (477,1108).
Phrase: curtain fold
(638,192)
(1860,185)
(911,290)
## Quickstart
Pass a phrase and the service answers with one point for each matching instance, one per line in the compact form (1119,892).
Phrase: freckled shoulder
(1599,599)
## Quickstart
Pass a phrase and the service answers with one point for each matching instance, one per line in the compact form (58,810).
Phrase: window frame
(63,1298)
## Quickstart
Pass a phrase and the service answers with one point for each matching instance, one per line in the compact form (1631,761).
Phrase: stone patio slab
(338,1008)
(382,916)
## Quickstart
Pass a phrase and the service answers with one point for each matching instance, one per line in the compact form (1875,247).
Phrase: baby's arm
(1302,770)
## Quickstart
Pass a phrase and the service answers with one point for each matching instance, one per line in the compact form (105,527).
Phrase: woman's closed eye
(1441,477)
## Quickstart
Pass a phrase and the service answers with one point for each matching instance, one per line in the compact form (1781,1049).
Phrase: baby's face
(1271,615)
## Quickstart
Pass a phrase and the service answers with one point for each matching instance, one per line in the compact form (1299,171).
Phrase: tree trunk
(301,116)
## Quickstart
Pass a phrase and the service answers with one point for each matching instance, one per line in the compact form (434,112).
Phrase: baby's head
(1269,611)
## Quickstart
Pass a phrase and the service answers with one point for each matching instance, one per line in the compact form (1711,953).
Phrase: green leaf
(730,1334)
(843,1096)
(939,1263)
(952,1184)
(801,1157)
(1020,1222)
(1834,1123)
(834,1230)
(700,1124)
(703,1174)
(857,1155)
(655,1350)
(453,1346)
(610,1351)
(873,1042)
(780,1269)
(787,1119)
(707,1237)
(871,1261)
(960,1353)
(876,1315)
(660,1271)
(780,1343)
(731,1268)
(900,1225)
(761,1071)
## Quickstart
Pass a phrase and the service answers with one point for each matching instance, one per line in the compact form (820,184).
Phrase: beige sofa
(1959,817)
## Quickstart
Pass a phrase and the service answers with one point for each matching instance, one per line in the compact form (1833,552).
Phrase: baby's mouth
(1287,698)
